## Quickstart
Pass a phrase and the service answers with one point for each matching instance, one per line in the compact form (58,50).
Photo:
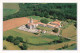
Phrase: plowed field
(15,22)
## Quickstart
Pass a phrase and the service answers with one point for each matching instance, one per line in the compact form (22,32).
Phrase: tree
(16,42)
(4,38)
(44,21)
(19,38)
(55,30)
(75,24)
(10,38)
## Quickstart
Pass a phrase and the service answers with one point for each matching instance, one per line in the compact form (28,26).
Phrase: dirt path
(15,22)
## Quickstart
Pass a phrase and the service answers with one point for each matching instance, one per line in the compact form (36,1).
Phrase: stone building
(31,24)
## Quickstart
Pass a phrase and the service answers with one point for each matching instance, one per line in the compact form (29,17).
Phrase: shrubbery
(65,46)
(10,39)
(24,46)
(44,21)
(4,38)
(19,38)
(36,33)
(55,30)
(4,47)
(17,41)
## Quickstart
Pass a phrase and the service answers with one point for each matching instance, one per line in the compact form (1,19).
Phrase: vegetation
(69,32)
(4,38)
(61,11)
(72,47)
(35,41)
(10,39)
(44,21)
(4,47)
(55,30)
(10,46)
(7,12)
(19,38)
(24,47)
(65,12)
(9,9)
(17,41)
(68,47)
(44,28)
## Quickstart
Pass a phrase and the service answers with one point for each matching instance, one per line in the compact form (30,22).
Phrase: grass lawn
(10,46)
(44,28)
(39,18)
(70,32)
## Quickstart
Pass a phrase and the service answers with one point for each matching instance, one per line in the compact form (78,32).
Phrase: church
(31,24)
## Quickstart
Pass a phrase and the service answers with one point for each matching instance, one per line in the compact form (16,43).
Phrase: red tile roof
(56,22)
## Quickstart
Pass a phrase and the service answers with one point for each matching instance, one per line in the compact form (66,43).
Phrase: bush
(19,38)
(55,30)
(59,48)
(36,33)
(16,42)
(24,47)
(65,46)
(4,47)
(4,38)
(10,39)
(44,21)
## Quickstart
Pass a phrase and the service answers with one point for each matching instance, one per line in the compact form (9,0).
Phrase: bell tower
(31,20)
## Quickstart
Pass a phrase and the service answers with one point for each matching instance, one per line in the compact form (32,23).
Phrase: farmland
(32,38)
(15,22)
(69,32)
(10,8)
(36,40)
(10,46)
(16,15)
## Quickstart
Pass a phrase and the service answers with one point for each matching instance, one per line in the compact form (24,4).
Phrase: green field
(36,42)
(10,8)
(44,28)
(72,47)
(39,18)
(7,12)
(70,32)
(30,37)
(10,46)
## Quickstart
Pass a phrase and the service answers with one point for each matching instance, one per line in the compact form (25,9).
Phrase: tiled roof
(41,23)
(56,22)
(51,25)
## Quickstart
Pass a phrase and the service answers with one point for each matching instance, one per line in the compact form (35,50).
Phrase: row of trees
(61,11)
(17,41)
